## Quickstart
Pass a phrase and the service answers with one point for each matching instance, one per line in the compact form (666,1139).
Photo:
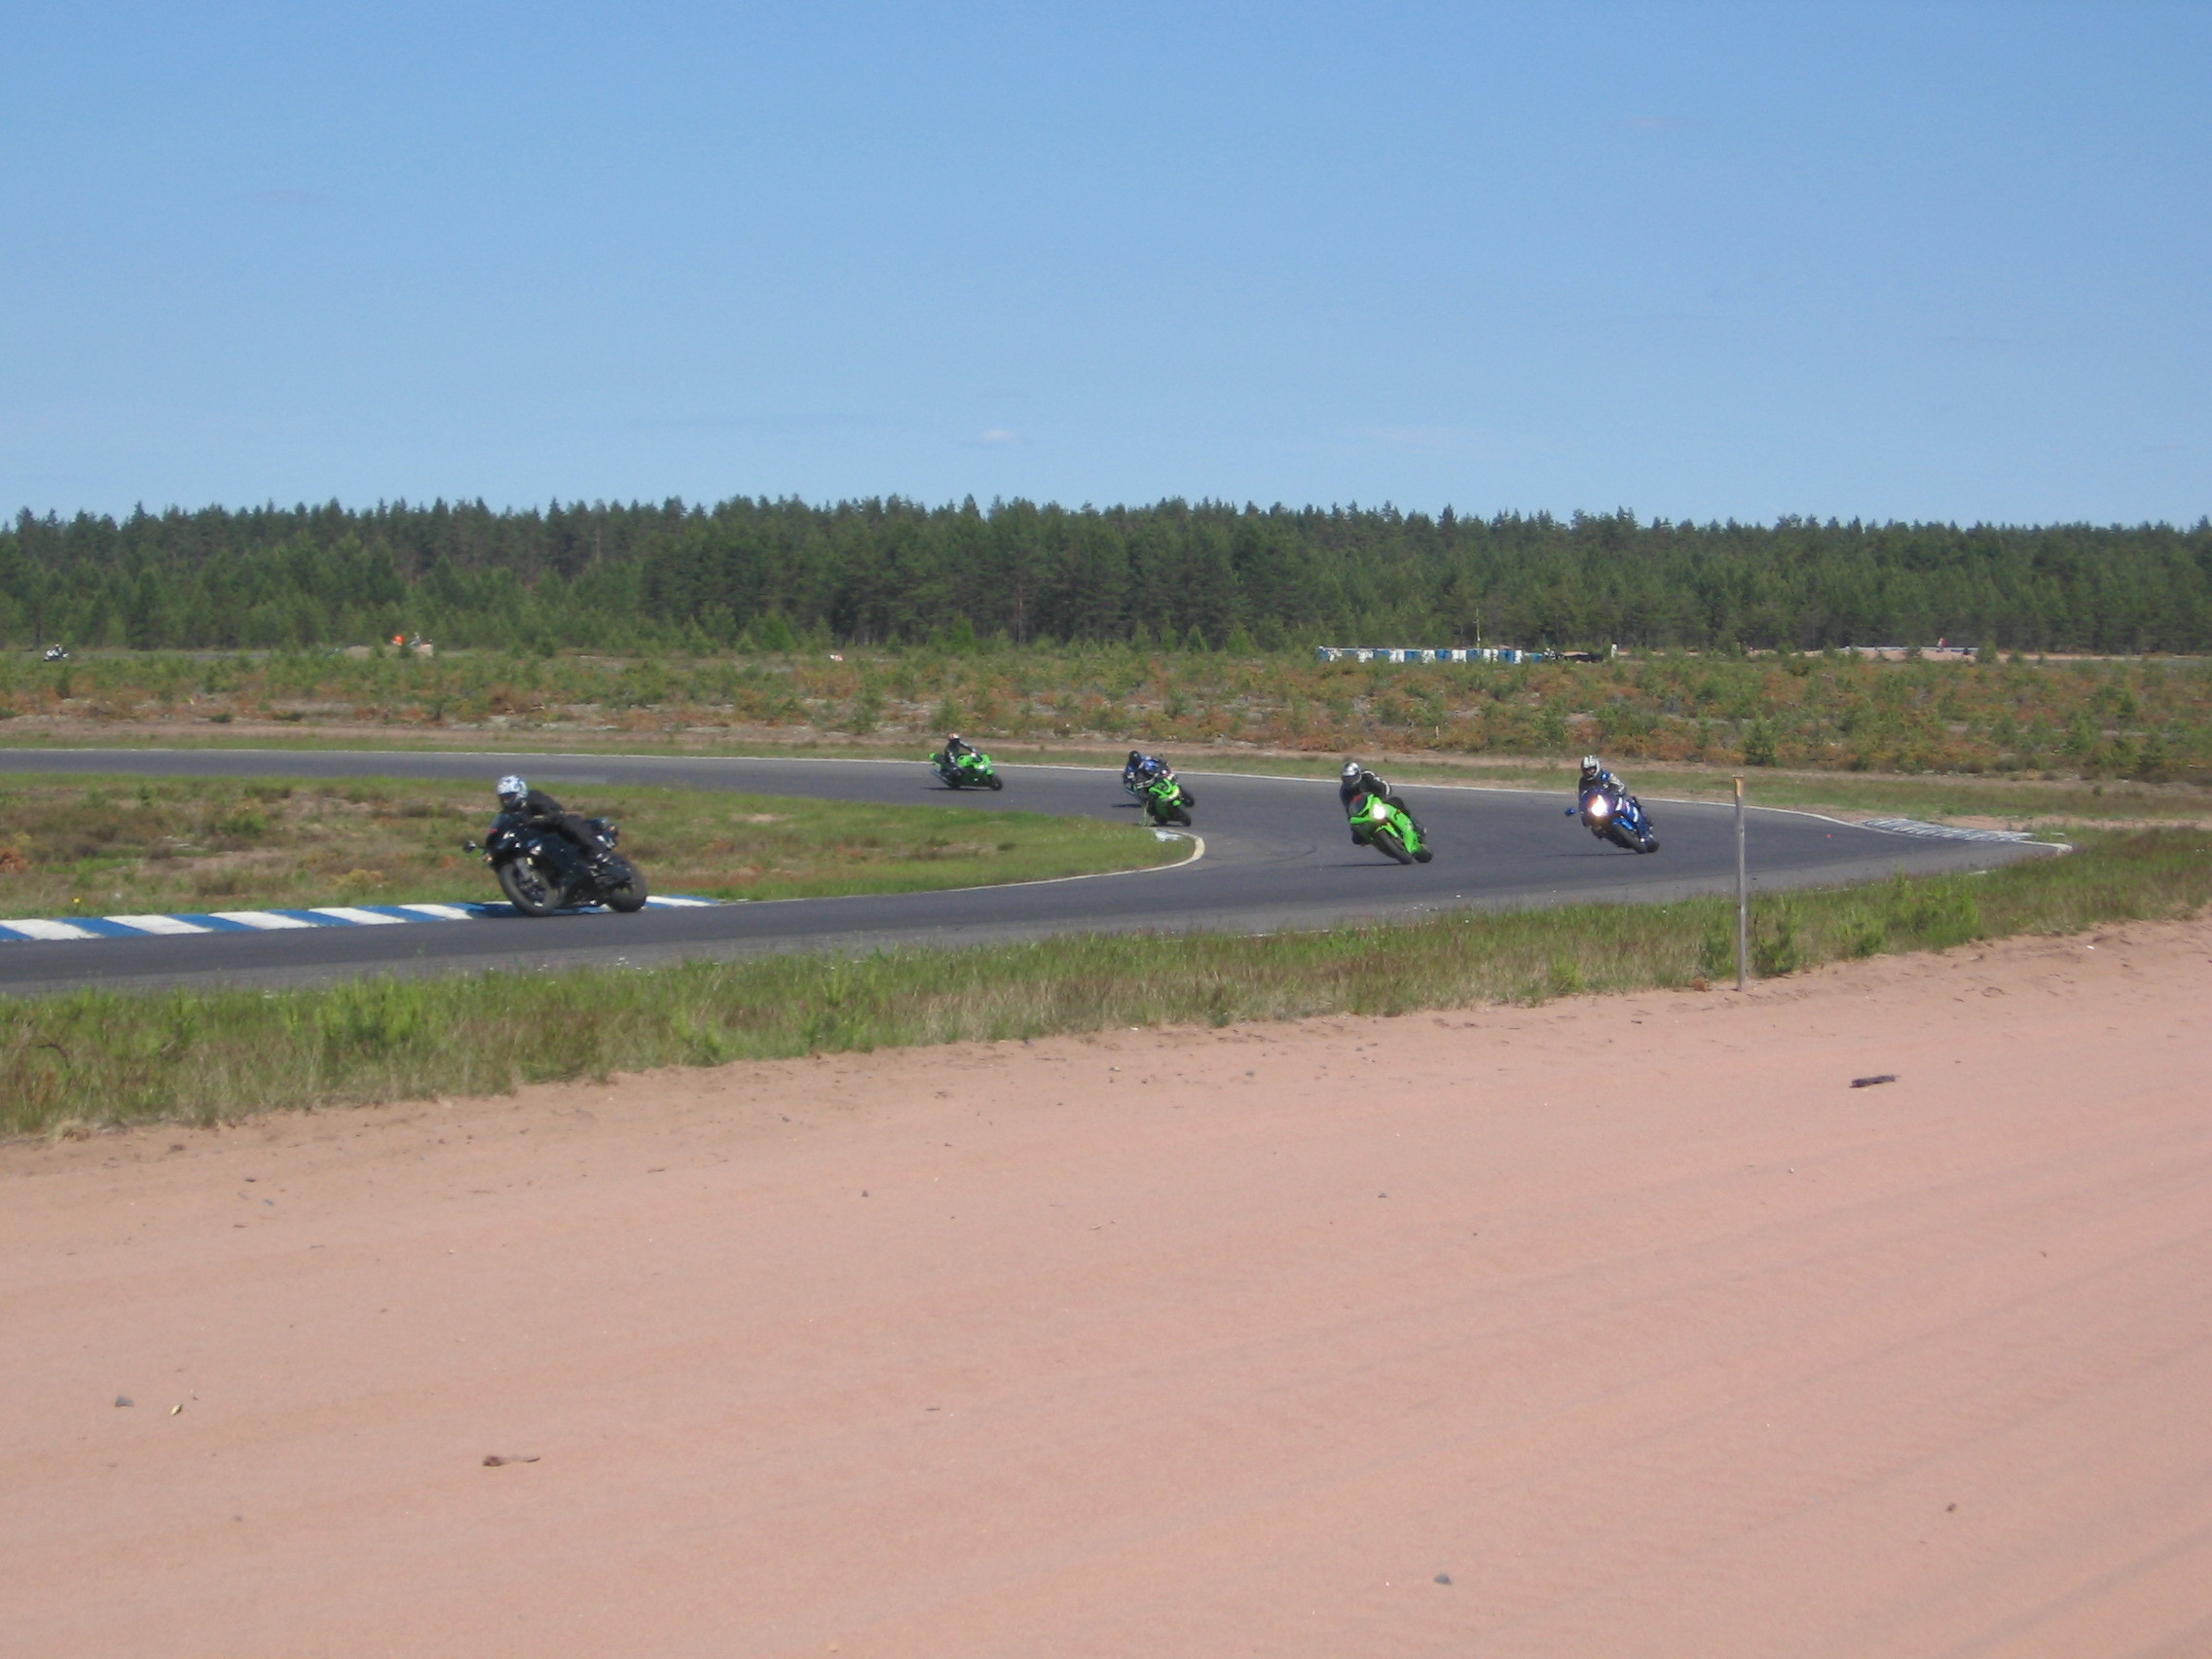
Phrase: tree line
(769,575)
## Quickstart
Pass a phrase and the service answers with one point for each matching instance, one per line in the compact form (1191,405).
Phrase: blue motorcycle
(1611,814)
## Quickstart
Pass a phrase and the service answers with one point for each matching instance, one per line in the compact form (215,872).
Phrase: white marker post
(1743,901)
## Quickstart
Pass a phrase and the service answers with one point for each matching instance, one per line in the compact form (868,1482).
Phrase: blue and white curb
(1944,832)
(274,921)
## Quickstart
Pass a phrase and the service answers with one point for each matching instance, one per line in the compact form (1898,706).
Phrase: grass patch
(99,1058)
(130,845)
(2146,720)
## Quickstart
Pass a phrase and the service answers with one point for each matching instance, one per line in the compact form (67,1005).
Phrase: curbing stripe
(48,930)
(54,930)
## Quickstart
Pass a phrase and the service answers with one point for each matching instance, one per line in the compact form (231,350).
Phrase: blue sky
(1929,261)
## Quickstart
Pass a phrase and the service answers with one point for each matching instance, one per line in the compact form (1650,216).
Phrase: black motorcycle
(542,870)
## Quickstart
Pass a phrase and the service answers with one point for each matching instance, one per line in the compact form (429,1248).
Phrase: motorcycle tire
(1649,844)
(1622,836)
(1386,841)
(528,889)
(1183,816)
(997,782)
(626,895)
(1423,856)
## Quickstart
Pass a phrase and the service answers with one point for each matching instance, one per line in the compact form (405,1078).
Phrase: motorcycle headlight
(1600,807)
(1380,812)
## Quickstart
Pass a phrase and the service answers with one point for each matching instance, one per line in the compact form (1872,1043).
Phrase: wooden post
(1743,901)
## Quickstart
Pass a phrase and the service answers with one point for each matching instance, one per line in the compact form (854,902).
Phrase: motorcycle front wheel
(529,888)
(1387,841)
(628,892)
(997,782)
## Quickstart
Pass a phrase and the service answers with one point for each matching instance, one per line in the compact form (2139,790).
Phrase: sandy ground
(1618,1327)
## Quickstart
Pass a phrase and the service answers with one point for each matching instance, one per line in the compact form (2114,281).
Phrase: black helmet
(1136,756)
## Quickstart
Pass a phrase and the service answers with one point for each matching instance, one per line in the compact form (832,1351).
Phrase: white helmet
(511,790)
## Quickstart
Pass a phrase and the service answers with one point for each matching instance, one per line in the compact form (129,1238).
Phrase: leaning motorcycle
(1165,800)
(970,771)
(542,870)
(1388,829)
(1616,816)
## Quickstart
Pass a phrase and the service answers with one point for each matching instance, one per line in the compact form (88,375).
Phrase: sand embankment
(1629,1318)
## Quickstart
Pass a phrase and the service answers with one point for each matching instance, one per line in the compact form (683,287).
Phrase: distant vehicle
(58,653)
(969,769)
(1611,814)
(1140,771)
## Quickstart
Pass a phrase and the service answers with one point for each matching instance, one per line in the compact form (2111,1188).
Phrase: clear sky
(1923,261)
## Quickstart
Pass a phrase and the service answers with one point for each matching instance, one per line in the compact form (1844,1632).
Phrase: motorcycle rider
(541,810)
(955,746)
(1142,768)
(1355,783)
(1595,777)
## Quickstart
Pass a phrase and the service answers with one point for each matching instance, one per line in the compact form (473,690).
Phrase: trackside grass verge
(94,1058)
(119,845)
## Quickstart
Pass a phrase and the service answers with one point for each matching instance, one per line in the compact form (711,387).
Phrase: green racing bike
(1389,830)
(971,769)
(1165,800)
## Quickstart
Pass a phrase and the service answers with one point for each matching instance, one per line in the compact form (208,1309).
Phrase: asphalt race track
(1277,856)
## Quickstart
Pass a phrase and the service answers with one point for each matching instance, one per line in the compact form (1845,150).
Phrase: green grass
(99,1058)
(115,845)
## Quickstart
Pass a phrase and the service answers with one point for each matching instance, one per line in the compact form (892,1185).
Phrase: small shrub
(1716,954)
(243,823)
(1774,949)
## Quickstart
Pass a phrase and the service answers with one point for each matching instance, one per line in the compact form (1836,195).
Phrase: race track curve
(1277,856)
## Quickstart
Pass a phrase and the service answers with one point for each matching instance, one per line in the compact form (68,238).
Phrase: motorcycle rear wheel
(528,889)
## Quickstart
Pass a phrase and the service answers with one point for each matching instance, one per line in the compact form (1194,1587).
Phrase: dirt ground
(1611,1327)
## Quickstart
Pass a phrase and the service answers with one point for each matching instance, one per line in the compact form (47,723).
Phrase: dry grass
(2096,719)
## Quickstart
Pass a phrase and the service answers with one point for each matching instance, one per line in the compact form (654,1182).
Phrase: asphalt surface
(1277,855)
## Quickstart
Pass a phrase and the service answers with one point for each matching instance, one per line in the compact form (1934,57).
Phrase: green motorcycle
(1388,829)
(969,770)
(1166,800)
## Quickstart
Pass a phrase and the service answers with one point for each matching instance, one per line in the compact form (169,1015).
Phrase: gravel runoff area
(1602,1327)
